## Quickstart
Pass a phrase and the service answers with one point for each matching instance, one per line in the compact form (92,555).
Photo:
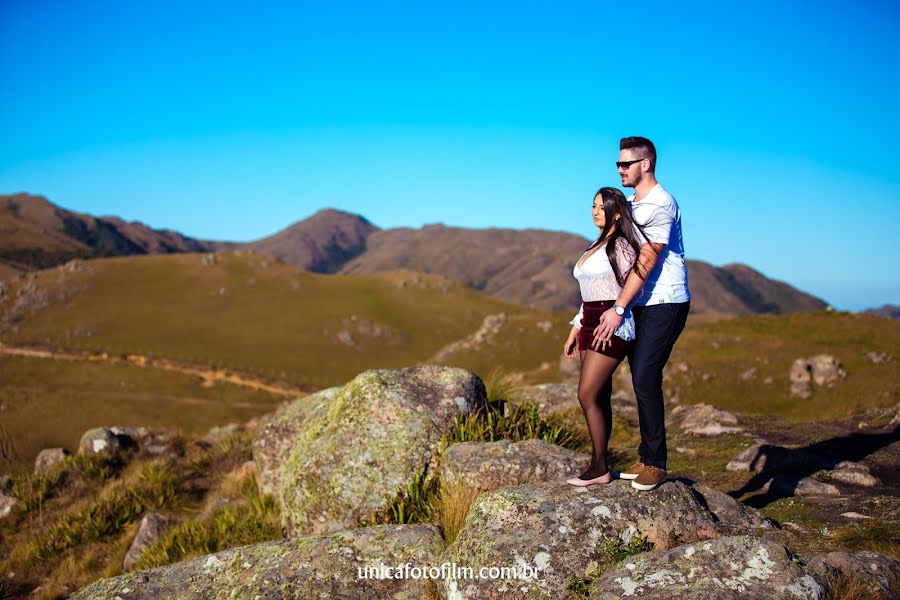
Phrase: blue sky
(775,122)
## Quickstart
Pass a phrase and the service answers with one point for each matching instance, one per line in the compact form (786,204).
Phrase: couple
(635,303)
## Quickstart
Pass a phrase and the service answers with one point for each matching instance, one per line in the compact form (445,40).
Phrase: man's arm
(646,261)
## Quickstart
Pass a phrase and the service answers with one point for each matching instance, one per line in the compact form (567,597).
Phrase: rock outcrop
(492,465)
(823,369)
(705,420)
(559,530)
(879,574)
(731,567)
(47,458)
(328,566)
(153,527)
(374,437)
(273,442)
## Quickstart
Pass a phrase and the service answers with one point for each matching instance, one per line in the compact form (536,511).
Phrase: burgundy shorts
(618,348)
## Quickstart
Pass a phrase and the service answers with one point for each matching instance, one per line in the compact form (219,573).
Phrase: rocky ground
(417,466)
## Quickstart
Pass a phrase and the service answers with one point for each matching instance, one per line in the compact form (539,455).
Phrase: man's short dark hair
(637,142)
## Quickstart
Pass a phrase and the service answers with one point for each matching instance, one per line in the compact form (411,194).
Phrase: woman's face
(598,212)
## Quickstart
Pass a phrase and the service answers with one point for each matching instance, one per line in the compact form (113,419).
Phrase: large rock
(879,574)
(705,420)
(739,567)
(822,369)
(7,505)
(752,459)
(153,528)
(561,531)
(107,442)
(826,370)
(326,566)
(854,473)
(375,436)
(273,442)
(47,458)
(492,465)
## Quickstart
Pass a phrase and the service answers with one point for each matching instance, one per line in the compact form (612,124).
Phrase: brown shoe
(649,478)
(633,471)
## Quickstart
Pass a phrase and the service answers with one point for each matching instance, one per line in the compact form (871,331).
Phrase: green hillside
(250,313)
(719,353)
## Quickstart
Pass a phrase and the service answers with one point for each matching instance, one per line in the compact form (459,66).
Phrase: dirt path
(209,375)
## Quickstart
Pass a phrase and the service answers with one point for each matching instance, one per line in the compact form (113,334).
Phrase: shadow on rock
(786,472)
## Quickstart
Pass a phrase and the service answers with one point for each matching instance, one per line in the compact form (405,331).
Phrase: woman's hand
(570,349)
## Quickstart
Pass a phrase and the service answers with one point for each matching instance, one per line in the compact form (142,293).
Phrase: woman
(601,272)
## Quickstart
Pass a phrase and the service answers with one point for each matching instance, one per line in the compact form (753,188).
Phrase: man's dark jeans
(657,328)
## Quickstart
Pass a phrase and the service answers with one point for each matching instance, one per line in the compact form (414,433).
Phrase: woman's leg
(595,394)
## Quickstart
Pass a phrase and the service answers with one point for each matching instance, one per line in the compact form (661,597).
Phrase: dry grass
(453,506)
(844,587)
(877,535)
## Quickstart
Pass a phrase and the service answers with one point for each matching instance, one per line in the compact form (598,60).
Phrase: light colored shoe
(633,471)
(578,481)
(650,478)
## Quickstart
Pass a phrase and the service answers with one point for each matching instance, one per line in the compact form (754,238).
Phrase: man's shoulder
(657,198)
(662,196)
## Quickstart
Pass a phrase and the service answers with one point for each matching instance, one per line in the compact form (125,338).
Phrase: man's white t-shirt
(658,214)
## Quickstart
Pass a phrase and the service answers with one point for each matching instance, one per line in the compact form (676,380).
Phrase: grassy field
(50,403)
(248,312)
(719,352)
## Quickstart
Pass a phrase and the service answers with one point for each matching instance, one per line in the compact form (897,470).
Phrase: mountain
(534,267)
(38,234)
(323,243)
(891,311)
(531,267)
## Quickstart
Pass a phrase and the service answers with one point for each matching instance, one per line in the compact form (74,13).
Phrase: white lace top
(598,282)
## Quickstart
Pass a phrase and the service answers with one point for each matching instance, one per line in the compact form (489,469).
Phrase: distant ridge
(39,234)
(531,267)
(891,311)
(534,267)
(323,243)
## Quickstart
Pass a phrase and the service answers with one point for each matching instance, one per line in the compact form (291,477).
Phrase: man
(657,290)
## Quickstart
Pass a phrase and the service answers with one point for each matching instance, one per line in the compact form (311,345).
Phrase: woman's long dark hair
(614,202)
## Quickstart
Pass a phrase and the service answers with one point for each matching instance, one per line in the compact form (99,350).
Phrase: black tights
(595,394)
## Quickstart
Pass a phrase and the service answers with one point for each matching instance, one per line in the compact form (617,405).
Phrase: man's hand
(603,332)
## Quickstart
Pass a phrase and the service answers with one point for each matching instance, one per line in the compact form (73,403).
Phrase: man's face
(633,173)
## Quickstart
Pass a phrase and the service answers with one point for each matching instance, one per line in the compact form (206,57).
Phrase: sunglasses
(624,164)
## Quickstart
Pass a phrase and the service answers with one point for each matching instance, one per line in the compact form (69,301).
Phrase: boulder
(854,473)
(153,528)
(560,531)
(788,485)
(492,465)
(705,420)
(801,371)
(826,370)
(879,574)
(274,440)
(373,439)
(327,566)
(735,567)
(752,459)
(48,457)
(104,441)
(7,505)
